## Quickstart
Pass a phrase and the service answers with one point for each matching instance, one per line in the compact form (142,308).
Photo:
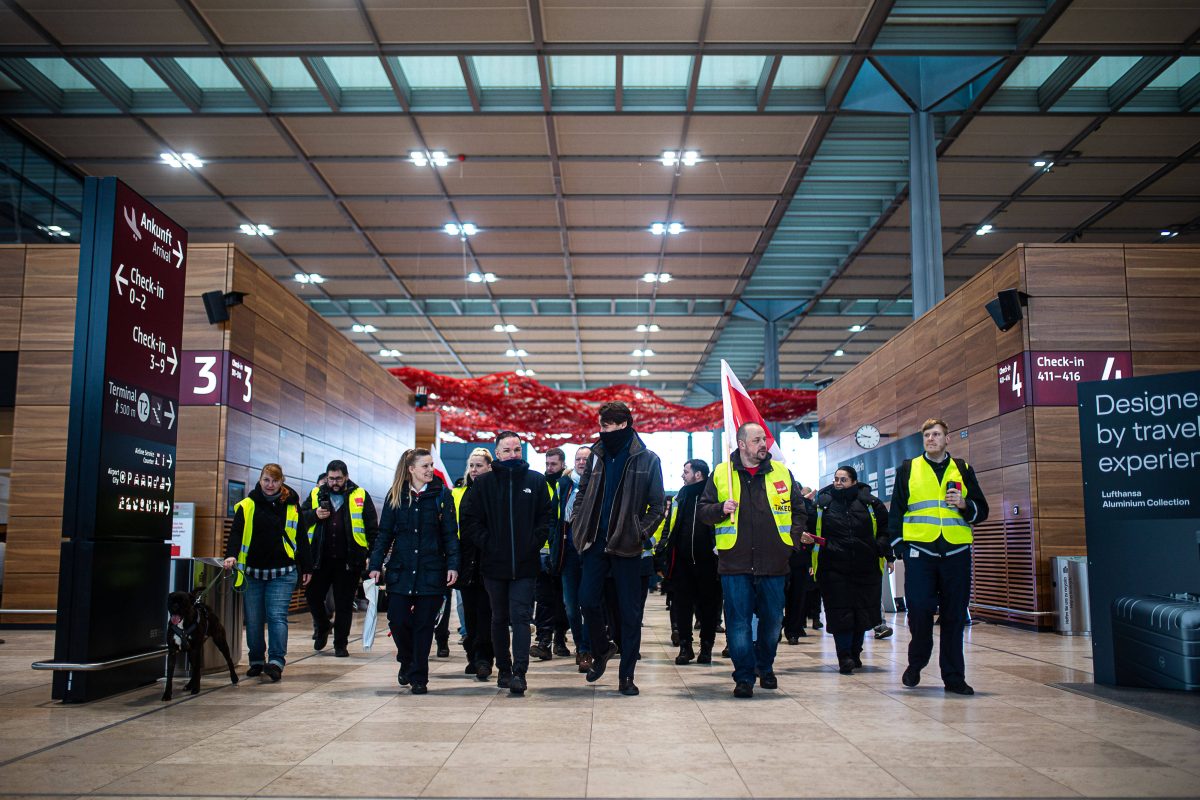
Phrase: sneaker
(254,671)
(767,680)
(274,672)
(959,688)
(743,689)
(420,688)
(483,671)
(585,663)
(628,687)
(504,679)
(883,630)
(600,663)
(541,652)
(911,676)
(443,650)
(516,684)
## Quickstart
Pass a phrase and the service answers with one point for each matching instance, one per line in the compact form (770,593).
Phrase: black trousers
(931,584)
(696,590)
(478,610)
(512,606)
(550,614)
(411,618)
(343,578)
(629,591)
(795,600)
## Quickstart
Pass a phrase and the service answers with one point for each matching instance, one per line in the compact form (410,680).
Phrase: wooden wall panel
(1162,271)
(1158,362)
(47,323)
(1056,433)
(51,271)
(1059,489)
(44,378)
(10,323)
(1163,323)
(39,432)
(12,270)
(1056,271)
(1078,323)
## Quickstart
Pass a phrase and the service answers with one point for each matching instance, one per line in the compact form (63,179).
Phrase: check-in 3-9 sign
(216,377)
(1051,377)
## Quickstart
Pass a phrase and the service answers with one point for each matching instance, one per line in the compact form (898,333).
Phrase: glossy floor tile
(344,728)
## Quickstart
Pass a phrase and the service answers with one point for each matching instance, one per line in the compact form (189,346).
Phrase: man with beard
(550,616)
(754,504)
(621,502)
(695,584)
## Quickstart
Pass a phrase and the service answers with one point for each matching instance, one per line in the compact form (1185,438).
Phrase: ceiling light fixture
(312,277)
(651,328)
(673,228)
(640,353)
(464,230)
(857,328)
(526,373)
(984,229)
(661,277)
(257,230)
(53,230)
(385,353)
(839,353)
(515,353)
(1168,234)
(638,373)
(189,160)
(689,158)
(363,328)
(509,328)
(481,277)
(421,158)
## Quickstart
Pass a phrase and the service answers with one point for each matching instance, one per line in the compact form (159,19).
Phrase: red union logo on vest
(780,487)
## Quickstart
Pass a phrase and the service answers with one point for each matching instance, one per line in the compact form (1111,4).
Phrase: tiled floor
(336,727)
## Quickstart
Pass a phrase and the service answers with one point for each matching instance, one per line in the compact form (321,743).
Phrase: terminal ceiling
(555,115)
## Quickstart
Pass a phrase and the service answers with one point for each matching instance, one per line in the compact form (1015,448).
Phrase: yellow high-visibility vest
(457,493)
(291,524)
(928,515)
(358,528)
(779,493)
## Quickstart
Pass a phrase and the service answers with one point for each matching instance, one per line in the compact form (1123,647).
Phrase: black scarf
(616,441)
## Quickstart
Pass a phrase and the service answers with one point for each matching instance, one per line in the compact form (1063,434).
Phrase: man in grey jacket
(620,504)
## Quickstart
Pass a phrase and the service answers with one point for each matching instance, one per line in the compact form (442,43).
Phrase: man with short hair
(341,523)
(692,555)
(508,514)
(550,616)
(563,553)
(754,503)
(935,501)
(621,502)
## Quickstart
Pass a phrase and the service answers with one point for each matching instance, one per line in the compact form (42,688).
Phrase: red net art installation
(474,409)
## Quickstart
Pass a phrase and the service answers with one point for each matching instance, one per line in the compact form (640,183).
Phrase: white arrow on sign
(120,280)
(170,415)
(178,253)
(168,484)
(170,459)
(173,360)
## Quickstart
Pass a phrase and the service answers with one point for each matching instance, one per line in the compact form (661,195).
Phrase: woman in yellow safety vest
(270,560)
(478,611)
(848,564)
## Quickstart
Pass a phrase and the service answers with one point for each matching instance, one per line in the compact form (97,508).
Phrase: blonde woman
(419,527)
(476,608)
(270,559)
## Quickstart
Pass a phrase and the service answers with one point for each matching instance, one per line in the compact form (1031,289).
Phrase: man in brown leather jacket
(620,504)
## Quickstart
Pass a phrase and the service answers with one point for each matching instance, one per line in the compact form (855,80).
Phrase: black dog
(191,623)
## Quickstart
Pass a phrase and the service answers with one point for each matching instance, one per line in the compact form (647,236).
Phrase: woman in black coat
(849,563)
(420,529)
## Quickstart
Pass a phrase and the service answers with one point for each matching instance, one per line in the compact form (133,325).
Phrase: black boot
(685,654)
(855,656)
(705,655)
(845,663)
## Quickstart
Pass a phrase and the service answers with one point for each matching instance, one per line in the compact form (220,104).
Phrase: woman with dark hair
(850,531)
(476,608)
(267,553)
(418,526)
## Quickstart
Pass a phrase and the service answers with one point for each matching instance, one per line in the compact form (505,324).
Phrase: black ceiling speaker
(1005,310)
(218,303)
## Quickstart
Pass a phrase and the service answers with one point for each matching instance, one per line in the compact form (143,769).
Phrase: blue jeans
(266,601)
(747,596)
(572,574)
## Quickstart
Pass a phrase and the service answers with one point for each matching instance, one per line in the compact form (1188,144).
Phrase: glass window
(583,72)
(210,74)
(285,73)
(1179,73)
(801,457)
(657,72)
(506,72)
(804,72)
(432,72)
(672,450)
(1105,72)
(359,72)
(61,74)
(731,72)
(1033,72)
(136,74)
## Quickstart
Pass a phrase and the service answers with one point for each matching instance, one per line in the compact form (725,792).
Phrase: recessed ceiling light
(658,228)
(640,353)
(669,158)
(664,277)
(191,161)
(651,328)
(661,277)
(520,353)
(256,230)
(984,229)
(638,373)
(363,328)
(526,373)
(481,277)
(385,353)
(1168,234)
(690,158)
(466,229)
(509,328)
(857,328)
(171,160)
(673,228)
(53,230)
(439,158)
(839,353)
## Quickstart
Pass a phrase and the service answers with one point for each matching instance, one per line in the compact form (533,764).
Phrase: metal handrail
(98,666)
(1013,610)
(28,610)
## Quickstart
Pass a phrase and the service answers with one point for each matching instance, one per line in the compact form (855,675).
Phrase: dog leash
(223,577)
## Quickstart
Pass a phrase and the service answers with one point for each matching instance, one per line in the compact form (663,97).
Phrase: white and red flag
(439,468)
(740,409)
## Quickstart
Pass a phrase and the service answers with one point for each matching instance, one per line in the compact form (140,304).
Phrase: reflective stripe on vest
(291,526)
(778,483)
(817,547)
(928,516)
(358,528)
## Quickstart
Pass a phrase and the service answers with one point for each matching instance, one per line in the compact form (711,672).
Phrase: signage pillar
(120,477)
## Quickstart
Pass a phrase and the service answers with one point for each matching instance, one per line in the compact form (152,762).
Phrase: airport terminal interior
(258,242)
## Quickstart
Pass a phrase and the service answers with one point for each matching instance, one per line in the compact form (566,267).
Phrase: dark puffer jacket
(508,515)
(423,538)
(848,569)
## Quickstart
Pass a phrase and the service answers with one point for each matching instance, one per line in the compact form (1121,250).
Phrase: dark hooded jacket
(422,535)
(508,515)
(849,574)
(638,504)
(690,540)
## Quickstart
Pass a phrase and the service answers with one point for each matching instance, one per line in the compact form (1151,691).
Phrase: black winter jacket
(690,540)
(507,513)
(562,525)
(849,575)
(266,543)
(354,553)
(423,539)
(637,508)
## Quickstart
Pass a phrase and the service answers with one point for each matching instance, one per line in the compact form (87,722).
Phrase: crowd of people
(742,548)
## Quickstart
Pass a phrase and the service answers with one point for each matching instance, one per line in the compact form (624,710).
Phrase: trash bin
(1072,609)
(226,605)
